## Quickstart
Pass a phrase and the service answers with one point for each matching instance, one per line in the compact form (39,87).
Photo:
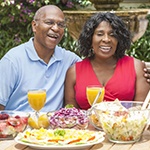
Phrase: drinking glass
(92,91)
(37,99)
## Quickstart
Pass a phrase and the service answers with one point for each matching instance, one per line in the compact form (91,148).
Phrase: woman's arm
(69,87)
(142,86)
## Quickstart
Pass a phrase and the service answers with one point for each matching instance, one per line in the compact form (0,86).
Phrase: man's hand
(147,71)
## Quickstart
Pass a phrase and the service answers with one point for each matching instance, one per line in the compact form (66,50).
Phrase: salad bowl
(122,121)
(11,123)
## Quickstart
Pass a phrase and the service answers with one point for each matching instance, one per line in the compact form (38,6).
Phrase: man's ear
(34,24)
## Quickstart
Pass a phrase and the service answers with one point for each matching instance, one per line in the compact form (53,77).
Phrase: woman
(103,42)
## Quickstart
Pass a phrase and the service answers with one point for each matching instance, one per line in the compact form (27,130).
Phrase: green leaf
(69,106)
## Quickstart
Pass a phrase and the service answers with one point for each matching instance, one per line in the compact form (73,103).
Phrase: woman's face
(104,43)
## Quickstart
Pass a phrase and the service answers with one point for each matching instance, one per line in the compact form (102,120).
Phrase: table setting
(105,126)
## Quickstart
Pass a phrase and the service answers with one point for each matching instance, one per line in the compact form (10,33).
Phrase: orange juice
(91,93)
(37,99)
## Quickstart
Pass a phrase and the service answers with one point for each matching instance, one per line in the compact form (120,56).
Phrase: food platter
(45,144)
(55,147)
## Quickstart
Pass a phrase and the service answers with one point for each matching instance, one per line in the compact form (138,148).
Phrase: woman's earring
(91,52)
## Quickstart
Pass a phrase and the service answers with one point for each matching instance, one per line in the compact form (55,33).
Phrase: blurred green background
(15,26)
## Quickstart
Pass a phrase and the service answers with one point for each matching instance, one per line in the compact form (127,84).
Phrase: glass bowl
(93,119)
(11,123)
(122,121)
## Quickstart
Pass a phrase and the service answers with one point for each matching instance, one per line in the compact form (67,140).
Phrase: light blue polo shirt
(21,69)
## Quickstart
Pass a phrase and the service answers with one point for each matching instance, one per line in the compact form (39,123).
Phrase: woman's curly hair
(121,33)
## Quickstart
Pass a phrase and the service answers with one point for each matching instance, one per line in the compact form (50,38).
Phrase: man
(38,63)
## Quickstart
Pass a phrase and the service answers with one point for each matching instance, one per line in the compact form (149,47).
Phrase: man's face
(49,28)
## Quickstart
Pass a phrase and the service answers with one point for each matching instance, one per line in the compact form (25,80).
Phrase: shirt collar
(32,54)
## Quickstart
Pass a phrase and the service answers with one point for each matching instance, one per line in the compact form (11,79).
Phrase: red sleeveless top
(121,85)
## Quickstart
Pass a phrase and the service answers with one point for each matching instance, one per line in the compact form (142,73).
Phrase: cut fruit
(43,121)
(33,123)
(38,122)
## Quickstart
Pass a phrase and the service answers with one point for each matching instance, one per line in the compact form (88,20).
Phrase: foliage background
(15,25)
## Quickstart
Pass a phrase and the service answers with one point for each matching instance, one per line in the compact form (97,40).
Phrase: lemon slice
(43,121)
(32,122)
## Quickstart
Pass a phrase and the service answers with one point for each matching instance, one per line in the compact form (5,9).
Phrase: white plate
(62,147)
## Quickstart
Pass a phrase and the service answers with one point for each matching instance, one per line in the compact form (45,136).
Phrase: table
(143,144)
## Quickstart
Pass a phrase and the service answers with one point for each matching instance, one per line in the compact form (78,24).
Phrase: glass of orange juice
(92,91)
(37,99)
